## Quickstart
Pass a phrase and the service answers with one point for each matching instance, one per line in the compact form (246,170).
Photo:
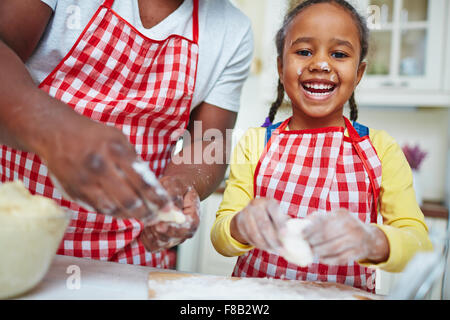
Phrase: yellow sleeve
(403,221)
(238,191)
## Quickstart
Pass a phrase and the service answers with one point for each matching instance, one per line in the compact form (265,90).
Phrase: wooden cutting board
(170,285)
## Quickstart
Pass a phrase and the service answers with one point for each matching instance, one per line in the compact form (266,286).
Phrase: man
(88,89)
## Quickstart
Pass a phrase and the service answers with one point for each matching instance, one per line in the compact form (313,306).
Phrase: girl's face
(320,67)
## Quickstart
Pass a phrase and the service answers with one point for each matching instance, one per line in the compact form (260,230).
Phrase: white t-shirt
(225,42)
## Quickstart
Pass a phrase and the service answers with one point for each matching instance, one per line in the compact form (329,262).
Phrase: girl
(319,162)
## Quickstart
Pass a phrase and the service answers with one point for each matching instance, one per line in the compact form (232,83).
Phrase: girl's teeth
(319,86)
(319,94)
(319,90)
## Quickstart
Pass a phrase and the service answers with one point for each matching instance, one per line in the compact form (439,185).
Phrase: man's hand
(93,164)
(340,238)
(165,235)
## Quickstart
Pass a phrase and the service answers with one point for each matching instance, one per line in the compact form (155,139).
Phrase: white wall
(424,126)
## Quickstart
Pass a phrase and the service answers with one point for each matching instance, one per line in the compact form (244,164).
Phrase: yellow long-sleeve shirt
(403,220)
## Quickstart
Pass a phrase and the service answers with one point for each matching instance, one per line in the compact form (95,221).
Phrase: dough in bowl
(31,229)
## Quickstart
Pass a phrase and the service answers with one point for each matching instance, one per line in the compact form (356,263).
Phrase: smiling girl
(320,166)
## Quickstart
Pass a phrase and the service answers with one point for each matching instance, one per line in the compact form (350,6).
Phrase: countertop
(99,280)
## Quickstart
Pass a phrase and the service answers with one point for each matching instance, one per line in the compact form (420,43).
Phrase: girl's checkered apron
(317,170)
(117,76)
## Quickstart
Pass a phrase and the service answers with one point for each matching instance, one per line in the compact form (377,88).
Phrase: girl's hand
(259,224)
(340,238)
(165,235)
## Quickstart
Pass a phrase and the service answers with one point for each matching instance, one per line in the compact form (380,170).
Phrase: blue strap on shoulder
(270,129)
(361,129)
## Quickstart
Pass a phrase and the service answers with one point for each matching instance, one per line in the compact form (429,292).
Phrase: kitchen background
(406,91)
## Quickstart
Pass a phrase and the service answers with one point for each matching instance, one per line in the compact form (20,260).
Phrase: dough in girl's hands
(295,248)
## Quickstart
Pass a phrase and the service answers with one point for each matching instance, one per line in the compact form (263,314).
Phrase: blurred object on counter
(415,156)
(424,271)
(31,229)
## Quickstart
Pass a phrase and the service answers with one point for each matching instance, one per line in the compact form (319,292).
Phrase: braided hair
(279,42)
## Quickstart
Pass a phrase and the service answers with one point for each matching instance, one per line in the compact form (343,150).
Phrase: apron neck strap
(353,134)
(108,3)
(195,24)
(283,125)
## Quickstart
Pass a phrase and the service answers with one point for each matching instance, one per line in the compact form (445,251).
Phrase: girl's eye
(304,53)
(339,55)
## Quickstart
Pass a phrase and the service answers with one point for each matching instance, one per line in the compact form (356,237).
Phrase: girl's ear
(280,68)
(361,69)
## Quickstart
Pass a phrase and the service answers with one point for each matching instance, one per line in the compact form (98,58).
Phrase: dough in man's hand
(173,215)
(295,248)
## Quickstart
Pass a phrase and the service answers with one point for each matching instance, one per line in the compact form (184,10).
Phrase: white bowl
(28,241)
(27,250)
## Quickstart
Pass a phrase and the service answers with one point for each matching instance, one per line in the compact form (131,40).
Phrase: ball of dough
(295,249)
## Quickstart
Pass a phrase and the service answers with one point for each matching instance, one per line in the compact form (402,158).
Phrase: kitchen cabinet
(407,53)
(406,46)
(447,53)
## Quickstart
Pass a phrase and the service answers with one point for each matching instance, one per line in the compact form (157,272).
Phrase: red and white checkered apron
(317,170)
(117,76)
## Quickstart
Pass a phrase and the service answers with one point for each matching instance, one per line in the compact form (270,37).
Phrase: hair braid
(278,102)
(353,108)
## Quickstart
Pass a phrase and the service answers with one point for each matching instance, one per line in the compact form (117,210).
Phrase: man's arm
(17,41)
(194,173)
(22,24)
(203,160)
